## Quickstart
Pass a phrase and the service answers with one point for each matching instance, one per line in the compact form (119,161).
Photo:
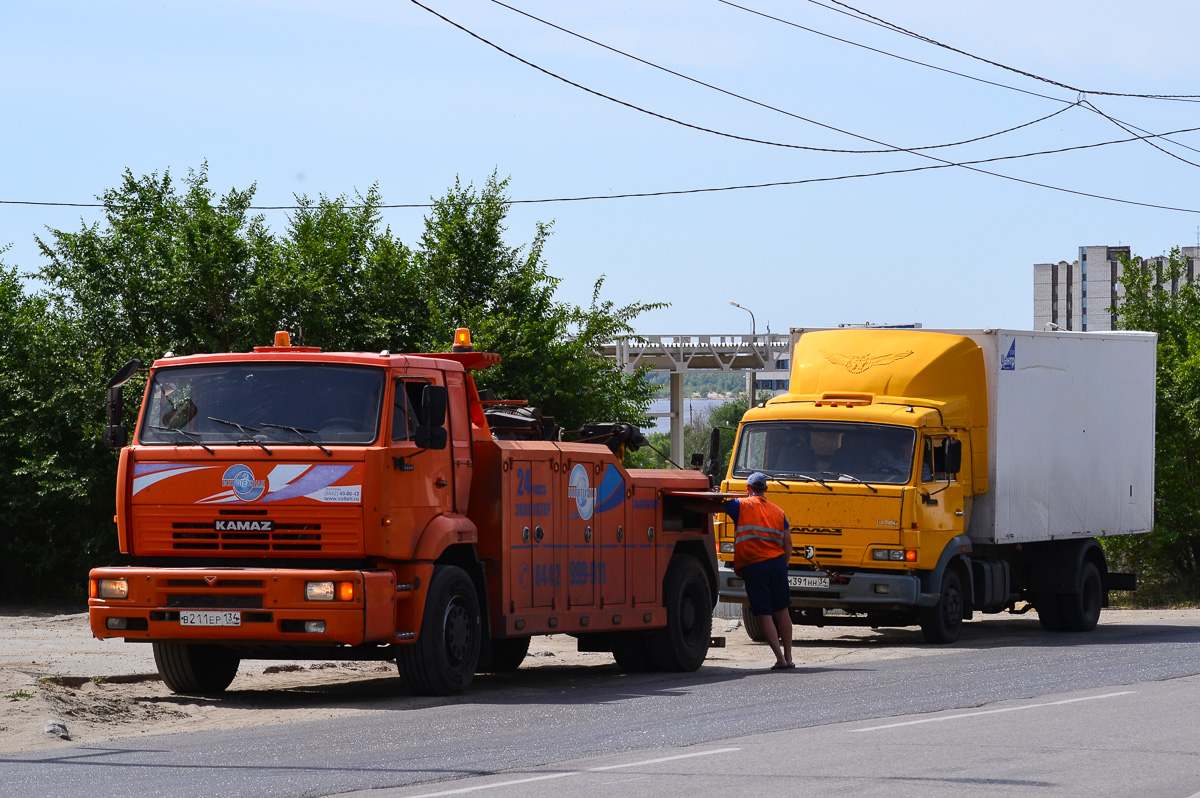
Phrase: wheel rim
(457,633)
(952,605)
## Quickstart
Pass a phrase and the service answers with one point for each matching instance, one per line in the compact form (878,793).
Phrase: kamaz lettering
(816,530)
(224,525)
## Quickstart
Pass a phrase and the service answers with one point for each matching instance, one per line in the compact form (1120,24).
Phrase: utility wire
(657,115)
(715,189)
(885,52)
(1146,139)
(1129,127)
(1068,106)
(863,15)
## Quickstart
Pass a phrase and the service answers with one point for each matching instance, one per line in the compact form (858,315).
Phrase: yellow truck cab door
(940,508)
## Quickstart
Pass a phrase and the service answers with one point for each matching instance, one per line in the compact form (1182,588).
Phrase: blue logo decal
(241,479)
(580,489)
(1009,361)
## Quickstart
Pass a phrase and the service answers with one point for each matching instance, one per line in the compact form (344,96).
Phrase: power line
(1146,139)
(657,115)
(864,16)
(1128,126)
(885,52)
(752,101)
(716,189)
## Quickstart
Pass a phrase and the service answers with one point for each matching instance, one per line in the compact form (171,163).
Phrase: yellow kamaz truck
(927,474)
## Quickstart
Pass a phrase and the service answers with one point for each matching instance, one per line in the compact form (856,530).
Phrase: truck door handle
(441,483)
(958,512)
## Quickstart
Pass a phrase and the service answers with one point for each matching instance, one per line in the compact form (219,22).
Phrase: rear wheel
(507,655)
(942,623)
(682,644)
(195,668)
(630,651)
(753,626)
(443,660)
(1078,611)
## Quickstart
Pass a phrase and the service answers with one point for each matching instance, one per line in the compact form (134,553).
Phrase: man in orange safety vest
(762,548)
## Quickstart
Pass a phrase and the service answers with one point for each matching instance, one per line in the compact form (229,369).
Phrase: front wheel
(753,625)
(442,661)
(942,622)
(195,668)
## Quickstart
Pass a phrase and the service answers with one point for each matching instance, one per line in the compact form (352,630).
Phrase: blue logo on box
(1009,361)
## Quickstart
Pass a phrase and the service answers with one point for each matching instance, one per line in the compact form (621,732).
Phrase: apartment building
(1081,295)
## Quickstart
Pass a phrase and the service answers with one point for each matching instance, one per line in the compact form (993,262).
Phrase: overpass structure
(757,355)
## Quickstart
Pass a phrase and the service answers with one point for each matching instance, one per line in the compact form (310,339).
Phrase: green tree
(342,281)
(505,295)
(57,494)
(1170,556)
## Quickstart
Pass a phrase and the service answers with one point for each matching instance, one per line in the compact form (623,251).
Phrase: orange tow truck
(290,503)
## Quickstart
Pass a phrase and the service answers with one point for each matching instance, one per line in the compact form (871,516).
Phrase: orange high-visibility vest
(759,532)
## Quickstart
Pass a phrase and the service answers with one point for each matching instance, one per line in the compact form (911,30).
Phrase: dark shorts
(767,585)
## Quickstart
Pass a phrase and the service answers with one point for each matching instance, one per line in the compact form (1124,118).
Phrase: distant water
(691,407)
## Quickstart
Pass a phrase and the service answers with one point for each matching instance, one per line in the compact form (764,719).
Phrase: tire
(1080,611)
(630,651)
(507,655)
(442,661)
(942,623)
(682,645)
(1049,610)
(195,668)
(753,626)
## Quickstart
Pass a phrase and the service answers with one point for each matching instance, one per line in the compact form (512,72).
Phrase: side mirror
(953,462)
(697,460)
(433,405)
(427,437)
(714,457)
(116,434)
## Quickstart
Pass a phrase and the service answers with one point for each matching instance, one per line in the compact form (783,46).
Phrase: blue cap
(757,480)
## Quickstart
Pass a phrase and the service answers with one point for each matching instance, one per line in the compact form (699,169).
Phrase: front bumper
(269,605)
(865,592)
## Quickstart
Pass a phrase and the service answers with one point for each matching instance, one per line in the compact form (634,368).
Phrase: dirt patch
(56,679)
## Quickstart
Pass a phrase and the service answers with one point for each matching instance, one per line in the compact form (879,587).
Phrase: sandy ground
(60,686)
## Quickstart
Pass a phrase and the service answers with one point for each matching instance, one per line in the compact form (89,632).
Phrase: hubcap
(457,626)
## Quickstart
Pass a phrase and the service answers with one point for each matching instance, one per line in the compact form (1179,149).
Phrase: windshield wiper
(300,432)
(242,428)
(185,434)
(839,476)
(804,477)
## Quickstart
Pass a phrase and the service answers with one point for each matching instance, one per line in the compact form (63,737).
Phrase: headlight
(113,588)
(727,548)
(895,555)
(318,591)
(329,591)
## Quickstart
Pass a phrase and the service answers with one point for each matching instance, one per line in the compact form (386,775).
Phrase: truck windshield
(284,403)
(829,450)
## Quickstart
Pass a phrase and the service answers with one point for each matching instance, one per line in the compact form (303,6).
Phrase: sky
(321,98)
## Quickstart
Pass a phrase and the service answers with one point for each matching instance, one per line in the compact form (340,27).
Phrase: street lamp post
(750,376)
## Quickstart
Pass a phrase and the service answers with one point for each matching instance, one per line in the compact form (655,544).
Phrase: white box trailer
(1070,435)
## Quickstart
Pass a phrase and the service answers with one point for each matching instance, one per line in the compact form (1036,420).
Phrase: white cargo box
(1070,434)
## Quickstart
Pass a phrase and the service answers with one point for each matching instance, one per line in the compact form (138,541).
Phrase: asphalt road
(1071,705)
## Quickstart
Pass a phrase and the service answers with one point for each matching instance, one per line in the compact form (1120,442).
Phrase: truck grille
(214,601)
(286,537)
(829,554)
